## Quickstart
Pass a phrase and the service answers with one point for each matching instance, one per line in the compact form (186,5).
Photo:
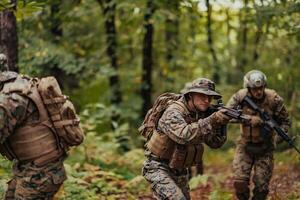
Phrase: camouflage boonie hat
(203,86)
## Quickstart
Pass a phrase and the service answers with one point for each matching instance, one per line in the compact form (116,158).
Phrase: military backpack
(153,115)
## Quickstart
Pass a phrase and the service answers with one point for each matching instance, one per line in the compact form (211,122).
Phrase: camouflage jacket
(272,103)
(14,110)
(186,127)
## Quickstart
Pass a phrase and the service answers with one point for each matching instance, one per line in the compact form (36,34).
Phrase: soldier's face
(257,93)
(201,101)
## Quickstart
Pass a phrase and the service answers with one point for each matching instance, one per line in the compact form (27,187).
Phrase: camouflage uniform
(36,182)
(29,181)
(255,145)
(183,127)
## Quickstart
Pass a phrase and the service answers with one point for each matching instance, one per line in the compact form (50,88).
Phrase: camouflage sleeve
(217,137)
(12,114)
(173,124)
(281,115)
(234,101)
(4,128)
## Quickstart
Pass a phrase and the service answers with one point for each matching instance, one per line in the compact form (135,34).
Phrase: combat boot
(259,195)
(242,196)
(242,191)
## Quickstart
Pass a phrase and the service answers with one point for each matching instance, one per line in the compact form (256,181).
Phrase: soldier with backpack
(37,126)
(176,128)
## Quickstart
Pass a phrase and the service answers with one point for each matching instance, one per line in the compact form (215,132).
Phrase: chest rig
(258,133)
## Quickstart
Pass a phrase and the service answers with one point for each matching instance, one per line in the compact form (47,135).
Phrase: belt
(164,161)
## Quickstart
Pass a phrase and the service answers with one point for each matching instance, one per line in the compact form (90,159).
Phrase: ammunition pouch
(251,134)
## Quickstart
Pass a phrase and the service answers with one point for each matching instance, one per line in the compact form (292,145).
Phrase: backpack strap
(28,88)
(61,123)
(54,100)
(35,96)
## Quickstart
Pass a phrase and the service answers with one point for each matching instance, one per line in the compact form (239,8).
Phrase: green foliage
(220,195)
(198,180)
(109,162)
(5,170)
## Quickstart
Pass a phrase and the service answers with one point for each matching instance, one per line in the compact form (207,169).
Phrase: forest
(114,57)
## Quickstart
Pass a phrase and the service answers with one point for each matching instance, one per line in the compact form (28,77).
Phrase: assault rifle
(231,112)
(271,123)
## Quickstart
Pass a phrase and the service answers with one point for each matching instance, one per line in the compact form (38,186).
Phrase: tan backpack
(153,115)
(61,112)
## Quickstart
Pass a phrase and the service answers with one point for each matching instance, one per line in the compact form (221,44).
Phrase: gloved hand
(255,120)
(220,118)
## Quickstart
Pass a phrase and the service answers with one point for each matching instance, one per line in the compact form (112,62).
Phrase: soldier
(256,144)
(27,138)
(176,141)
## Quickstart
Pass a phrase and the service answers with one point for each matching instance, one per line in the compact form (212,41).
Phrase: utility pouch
(178,158)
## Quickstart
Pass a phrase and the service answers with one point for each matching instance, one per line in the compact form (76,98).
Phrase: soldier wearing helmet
(177,141)
(255,145)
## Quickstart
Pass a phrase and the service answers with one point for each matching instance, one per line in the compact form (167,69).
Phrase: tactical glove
(220,118)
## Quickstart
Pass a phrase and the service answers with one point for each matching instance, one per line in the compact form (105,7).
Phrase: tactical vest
(255,134)
(33,141)
(178,156)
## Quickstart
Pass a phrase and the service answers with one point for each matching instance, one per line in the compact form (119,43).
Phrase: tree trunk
(146,87)
(257,38)
(64,79)
(243,38)
(229,45)
(56,24)
(171,34)
(215,64)
(9,36)
(109,9)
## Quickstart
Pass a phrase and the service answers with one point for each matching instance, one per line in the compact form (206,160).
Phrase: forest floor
(282,187)
(118,176)
(217,182)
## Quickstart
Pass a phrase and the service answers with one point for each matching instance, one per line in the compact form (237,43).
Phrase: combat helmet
(203,86)
(255,79)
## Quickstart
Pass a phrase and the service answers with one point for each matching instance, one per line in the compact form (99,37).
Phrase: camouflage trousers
(166,183)
(35,183)
(262,166)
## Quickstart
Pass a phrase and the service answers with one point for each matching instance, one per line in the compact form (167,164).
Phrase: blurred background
(114,57)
